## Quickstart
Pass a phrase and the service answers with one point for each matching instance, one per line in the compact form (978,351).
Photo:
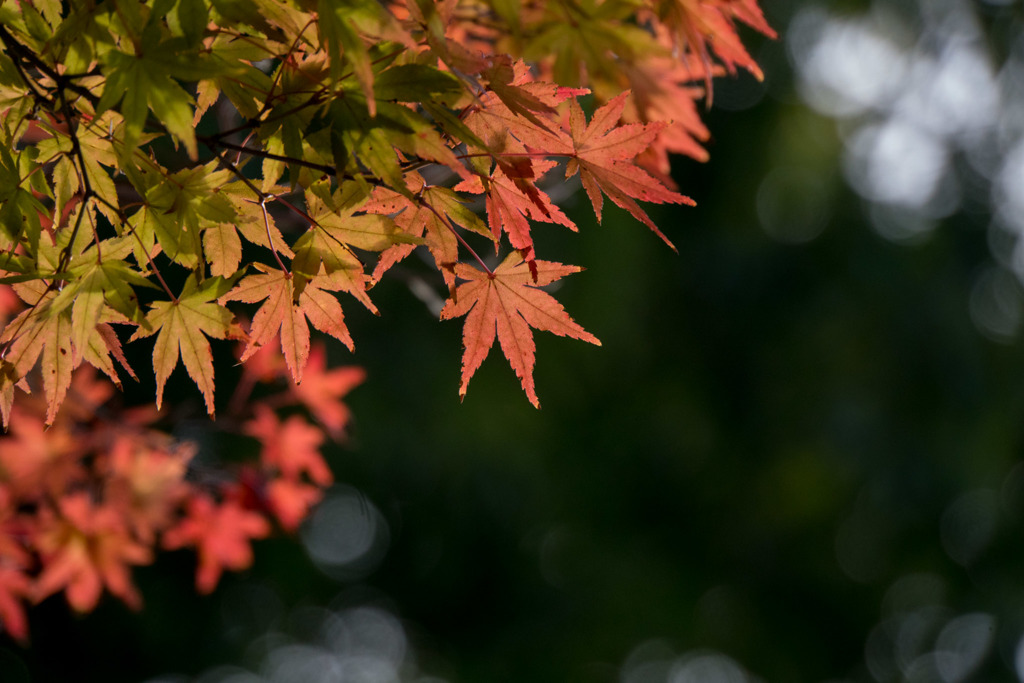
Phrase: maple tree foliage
(169,169)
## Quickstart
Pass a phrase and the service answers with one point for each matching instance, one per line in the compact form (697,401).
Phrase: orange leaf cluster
(387,119)
(360,128)
(96,493)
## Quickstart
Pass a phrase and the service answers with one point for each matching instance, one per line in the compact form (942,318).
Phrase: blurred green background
(796,457)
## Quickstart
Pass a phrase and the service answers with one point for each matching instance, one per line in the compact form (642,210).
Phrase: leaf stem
(459,237)
(263,196)
(270,239)
(213,143)
(63,81)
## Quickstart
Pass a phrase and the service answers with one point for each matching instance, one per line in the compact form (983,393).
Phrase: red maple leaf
(85,548)
(322,390)
(221,535)
(511,202)
(603,154)
(292,447)
(505,304)
(290,501)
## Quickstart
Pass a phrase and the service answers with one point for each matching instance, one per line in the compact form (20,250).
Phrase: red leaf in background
(221,535)
(322,390)
(290,501)
(35,461)
(292,447)
(15,585)
(85,548)
(144,483)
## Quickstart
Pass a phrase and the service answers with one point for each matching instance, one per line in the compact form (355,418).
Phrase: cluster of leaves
(91,495)
(352,103)
(162,160)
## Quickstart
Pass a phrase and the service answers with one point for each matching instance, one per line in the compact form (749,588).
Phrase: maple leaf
(181,325)
(145,484)
(290,501)
(292,447)
(84,549)
(506,303)
(15,585)
(434,211)
(603,154)
(221,535)
(511,202)
(36,334)
(700,23)
(322,390)
(284,313)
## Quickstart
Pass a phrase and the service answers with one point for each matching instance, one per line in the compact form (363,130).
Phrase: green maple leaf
(141,83)
(19,209)
(335,231)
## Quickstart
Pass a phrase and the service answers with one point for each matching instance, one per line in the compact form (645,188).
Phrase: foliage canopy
(161,161)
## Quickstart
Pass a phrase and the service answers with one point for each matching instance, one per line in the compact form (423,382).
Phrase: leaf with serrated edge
(506,304)
(604,154)
(181,326)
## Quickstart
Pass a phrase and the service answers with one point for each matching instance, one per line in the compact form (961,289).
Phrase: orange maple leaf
(285,311)
(506,303)
(511,202)
(292,447)
(603,154)
(322,390)
(145,483)
(290,501)
(181,325)
(85,548)
(699,24)
(221,535)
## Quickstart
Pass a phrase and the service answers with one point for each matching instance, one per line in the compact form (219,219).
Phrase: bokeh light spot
(347,536)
